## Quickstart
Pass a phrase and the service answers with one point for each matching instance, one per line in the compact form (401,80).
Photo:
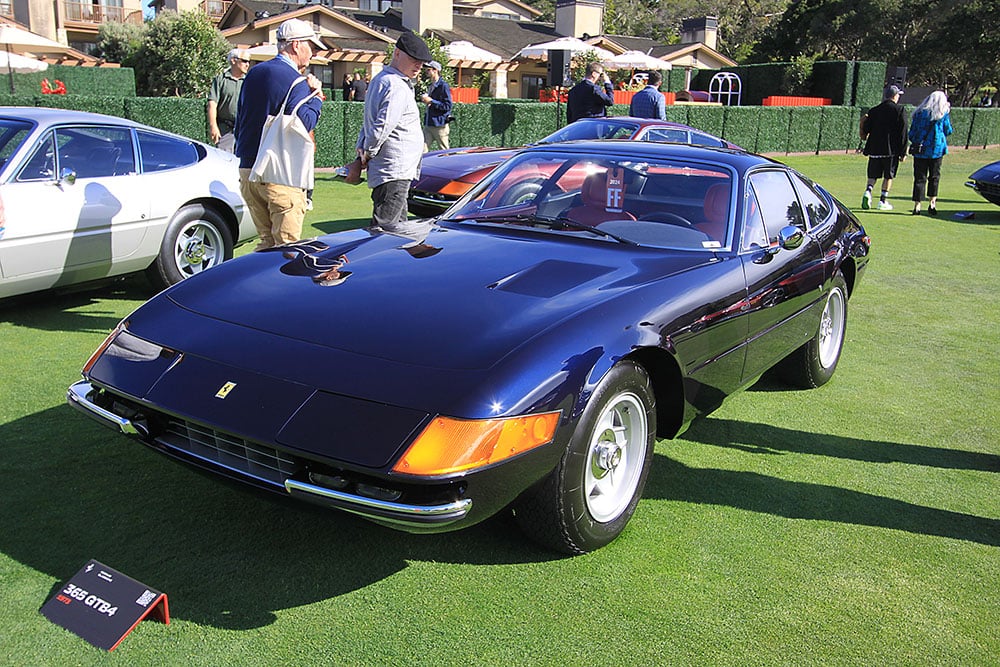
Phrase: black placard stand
(102,605)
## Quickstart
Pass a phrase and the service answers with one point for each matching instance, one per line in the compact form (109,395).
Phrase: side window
(665,134)
(41,166)
(779,206)
(159,152)
(699,139)
(817,206)
(754,233)
(95,152)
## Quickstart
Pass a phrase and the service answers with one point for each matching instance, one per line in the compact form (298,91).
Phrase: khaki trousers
(277,210)
(437,135)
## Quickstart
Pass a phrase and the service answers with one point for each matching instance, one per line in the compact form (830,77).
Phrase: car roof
(44,117)
(737,159)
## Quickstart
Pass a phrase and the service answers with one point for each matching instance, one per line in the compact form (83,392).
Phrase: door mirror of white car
(67,176)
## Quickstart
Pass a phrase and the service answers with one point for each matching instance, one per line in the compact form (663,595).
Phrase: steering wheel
(667,217)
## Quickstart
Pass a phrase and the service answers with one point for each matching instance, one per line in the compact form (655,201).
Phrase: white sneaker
(866,201)
(884,206)
(309,204)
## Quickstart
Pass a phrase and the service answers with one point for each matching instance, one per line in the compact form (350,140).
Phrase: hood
(463,298)
(458,161)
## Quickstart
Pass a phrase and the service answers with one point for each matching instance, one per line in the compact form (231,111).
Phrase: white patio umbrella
(19,40)
(571,44)
(635,60)
(467,51)
(11,62)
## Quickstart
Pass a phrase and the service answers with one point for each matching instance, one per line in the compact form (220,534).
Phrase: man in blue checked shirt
(648,102)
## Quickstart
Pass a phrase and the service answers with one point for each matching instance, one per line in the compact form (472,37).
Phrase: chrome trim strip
(398,512)
(77,395)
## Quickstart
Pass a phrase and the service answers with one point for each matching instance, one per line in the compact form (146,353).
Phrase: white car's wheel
(196,239)
(588,499)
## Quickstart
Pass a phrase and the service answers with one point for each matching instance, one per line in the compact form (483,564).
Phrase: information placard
(102,605)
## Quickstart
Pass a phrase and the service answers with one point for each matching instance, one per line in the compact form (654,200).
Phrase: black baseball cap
(414,47)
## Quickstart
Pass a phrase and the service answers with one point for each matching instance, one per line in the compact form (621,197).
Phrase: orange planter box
(550,96)
(625,97)
(795,101)
(465,95)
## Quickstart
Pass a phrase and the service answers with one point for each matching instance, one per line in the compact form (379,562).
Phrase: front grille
(989,188)
(249,458)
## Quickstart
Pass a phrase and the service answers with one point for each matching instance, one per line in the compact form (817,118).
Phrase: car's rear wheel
(813,364)
(588,499)
(196,239)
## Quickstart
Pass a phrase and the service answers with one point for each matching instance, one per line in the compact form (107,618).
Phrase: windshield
(664,202)
(593,129)
(12,135)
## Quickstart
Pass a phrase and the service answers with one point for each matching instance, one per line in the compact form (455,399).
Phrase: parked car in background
(85,196)
(447,175)
(523,350)
(986,181)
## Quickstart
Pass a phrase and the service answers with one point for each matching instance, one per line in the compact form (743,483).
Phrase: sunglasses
(244,60)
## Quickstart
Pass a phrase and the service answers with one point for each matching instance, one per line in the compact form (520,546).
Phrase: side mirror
(790,237)
(67,176)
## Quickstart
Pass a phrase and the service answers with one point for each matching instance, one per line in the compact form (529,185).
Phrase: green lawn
(854,524)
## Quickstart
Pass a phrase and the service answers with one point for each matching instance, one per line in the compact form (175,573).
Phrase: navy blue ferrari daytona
(521,352)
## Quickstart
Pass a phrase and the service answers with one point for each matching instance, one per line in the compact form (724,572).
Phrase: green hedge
(758,129)
(110,81)
(181,115)
(740,126)
(835,80)
(869,81)
(985,128)
(838,128)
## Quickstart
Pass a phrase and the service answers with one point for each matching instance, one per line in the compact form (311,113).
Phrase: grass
(854,524)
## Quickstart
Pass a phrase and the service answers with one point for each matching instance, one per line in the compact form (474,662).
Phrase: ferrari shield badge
(225,389)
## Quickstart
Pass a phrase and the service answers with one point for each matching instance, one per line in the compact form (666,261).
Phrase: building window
(530,86)
(379,5)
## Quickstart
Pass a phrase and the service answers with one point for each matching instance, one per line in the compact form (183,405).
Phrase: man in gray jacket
(391,140)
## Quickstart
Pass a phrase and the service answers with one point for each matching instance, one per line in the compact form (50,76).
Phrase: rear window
(159,152)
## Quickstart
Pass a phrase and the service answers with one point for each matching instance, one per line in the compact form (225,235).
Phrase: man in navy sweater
(278,209)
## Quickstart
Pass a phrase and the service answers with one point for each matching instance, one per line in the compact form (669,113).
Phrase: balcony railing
(7,9)
(89,13)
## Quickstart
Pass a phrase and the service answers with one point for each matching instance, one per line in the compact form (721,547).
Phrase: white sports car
(85,196)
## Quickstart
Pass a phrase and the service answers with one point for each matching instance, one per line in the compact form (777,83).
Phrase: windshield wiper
(562,222)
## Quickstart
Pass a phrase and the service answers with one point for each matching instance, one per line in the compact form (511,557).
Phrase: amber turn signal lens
(453,445)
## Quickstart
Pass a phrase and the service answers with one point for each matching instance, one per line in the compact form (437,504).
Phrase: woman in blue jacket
(929,127)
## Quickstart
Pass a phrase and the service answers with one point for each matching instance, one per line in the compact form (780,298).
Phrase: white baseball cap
(297,30)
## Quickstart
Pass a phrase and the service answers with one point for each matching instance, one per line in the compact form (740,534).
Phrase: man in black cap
(884,130)
(391,140)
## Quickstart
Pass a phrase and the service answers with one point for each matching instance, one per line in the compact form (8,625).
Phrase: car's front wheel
(813,364)
(588,499)
(196,239)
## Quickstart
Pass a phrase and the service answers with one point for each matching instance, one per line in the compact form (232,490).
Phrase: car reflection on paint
(520,353)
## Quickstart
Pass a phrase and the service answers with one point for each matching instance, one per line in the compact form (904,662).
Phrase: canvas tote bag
(286,152)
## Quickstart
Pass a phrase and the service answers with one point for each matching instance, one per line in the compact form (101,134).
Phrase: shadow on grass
(766,439)
(60,310)
(671,480)
(332,226)
(226,557)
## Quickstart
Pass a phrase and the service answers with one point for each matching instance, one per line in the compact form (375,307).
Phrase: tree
(951,44)
(179,55)
(119,42)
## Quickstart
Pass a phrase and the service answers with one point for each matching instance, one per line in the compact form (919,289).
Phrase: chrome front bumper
(416,518)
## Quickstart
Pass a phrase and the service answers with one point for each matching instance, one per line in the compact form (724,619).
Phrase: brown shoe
(353,172)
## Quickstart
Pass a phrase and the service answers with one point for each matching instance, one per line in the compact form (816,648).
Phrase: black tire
(813,364)
(588,499)
(521,192)
(196,239)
